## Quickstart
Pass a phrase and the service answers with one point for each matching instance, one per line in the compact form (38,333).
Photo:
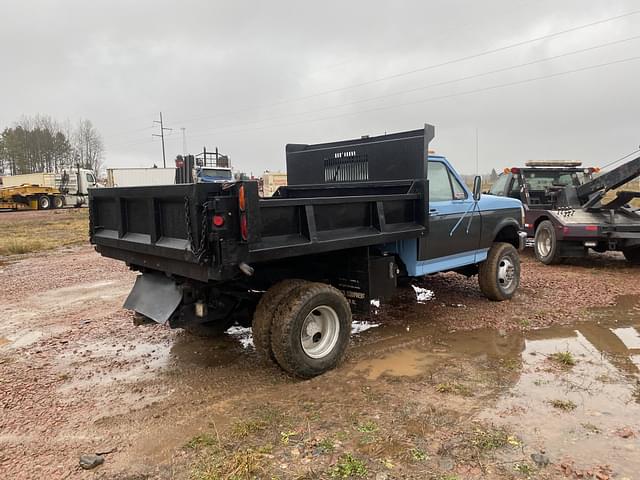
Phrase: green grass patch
(418,454)
(566,359)
(241,465)
(245,428)
(367,427)
(492,439)
(348,466)
(326,445)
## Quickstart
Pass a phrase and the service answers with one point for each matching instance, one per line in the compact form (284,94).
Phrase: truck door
(454,223)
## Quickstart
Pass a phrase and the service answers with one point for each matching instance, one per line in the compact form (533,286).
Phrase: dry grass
(28,232)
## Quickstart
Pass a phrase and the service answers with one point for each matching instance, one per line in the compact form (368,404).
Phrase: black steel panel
(397,156)
(137,216)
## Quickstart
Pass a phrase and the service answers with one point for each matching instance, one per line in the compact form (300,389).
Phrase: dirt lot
(449,387)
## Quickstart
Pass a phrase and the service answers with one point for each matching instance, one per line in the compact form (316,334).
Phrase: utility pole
(161,135)
(184,141)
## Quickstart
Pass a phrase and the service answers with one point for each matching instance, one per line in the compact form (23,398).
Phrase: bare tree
(88,146)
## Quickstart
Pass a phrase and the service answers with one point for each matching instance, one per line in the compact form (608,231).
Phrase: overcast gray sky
(251,76)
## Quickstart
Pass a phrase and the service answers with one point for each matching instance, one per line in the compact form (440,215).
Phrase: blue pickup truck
(356,217)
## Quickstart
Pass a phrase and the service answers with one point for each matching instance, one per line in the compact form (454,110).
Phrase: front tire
(311,330)
(632,255)
(499,274)
(545,244)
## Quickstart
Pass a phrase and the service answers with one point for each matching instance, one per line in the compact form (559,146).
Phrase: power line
(161,135)
(621,158)
(443,97)
(425,100)
(430,67)
(445,82)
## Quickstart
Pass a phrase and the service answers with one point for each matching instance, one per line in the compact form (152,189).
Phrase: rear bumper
(522,239)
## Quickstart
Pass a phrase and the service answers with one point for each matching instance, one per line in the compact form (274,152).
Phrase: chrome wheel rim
(506,273)
(320,332)
(544,243)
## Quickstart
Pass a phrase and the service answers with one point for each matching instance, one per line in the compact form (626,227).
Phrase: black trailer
(568,210)
(299,262)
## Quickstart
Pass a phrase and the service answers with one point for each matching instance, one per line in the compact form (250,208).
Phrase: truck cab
(204,174)
(469,225)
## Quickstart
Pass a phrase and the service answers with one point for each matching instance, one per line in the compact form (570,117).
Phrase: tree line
(41,144)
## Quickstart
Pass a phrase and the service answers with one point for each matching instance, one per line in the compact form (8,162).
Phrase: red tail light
(218,220)
(591,228)
(244,228)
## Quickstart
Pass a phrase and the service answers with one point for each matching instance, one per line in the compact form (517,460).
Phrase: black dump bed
(176,229)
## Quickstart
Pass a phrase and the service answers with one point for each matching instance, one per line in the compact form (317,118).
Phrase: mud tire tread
(265,313)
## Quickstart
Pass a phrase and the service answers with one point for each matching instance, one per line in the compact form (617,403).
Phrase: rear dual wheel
(308,326)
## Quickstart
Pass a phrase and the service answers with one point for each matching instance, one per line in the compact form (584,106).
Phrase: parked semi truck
(356,217)
(566,210)
(42,191)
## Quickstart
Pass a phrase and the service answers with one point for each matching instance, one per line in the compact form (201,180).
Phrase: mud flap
(154,296)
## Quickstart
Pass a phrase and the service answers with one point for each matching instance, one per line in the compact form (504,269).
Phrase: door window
(90,178)
(439,183)
(459,193)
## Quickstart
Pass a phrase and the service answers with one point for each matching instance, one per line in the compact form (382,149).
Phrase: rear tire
(265,313)
(58,201)
(632,255)
(499,274)
(545,244)
(44,202)
(312,330)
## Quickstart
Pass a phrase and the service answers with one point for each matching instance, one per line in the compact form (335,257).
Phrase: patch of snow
(242,334)
(360,326)
(375,303)
(422,294)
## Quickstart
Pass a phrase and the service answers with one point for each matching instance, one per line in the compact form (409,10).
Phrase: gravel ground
(77,377)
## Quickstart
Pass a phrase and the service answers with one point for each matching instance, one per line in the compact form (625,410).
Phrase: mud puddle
(574,392)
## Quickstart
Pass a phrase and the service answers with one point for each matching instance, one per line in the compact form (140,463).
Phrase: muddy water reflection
(604,383)
(604,386)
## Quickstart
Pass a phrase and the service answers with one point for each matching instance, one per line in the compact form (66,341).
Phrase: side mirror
(477,187)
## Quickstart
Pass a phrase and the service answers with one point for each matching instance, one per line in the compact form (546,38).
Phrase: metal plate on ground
(154,296)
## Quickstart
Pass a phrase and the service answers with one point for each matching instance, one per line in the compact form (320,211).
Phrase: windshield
(544,179)
(215,173)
